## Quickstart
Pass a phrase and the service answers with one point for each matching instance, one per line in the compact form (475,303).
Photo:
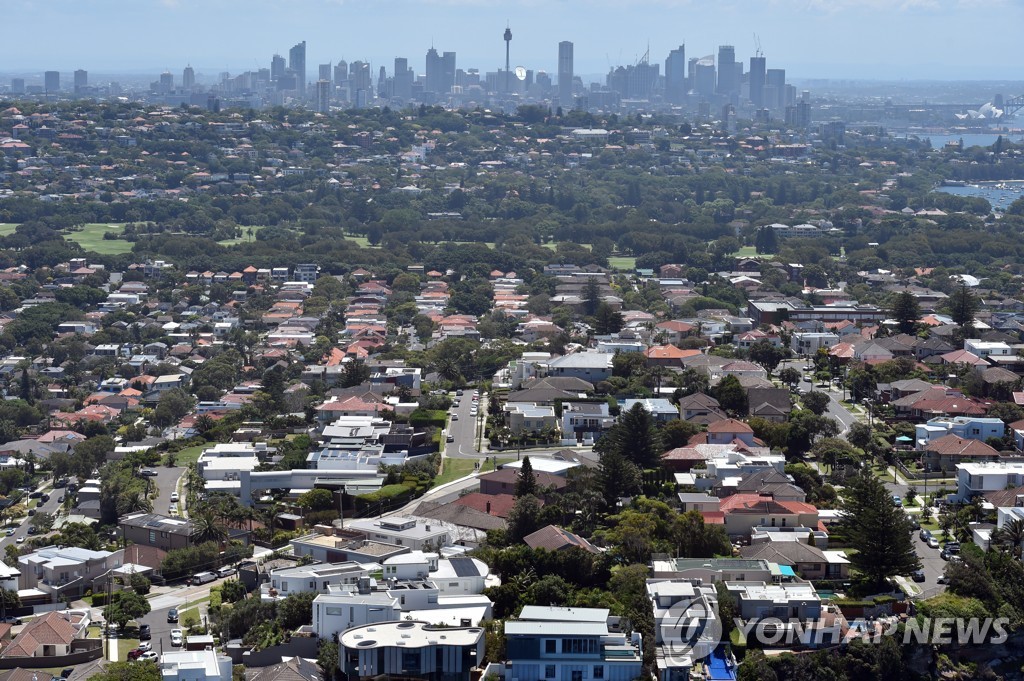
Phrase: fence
(83,650)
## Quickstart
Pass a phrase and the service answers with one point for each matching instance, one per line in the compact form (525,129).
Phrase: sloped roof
(554,538)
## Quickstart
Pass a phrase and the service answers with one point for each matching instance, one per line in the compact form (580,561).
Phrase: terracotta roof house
(809,561)
(553,538)
(729,430)
(746,511)
(49,635)
(668,355)
(946,452)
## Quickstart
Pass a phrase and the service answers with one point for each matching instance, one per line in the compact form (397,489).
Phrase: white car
(174,496)
(21,540)
(177,638)
(144,646)
(149,655)
(933,543)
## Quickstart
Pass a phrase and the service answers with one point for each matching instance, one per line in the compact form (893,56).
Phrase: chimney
(488,508)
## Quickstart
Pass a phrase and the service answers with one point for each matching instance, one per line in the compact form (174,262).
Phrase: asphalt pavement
(166,480)
(21,525)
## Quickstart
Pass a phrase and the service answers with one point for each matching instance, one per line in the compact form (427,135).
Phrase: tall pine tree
(878,530)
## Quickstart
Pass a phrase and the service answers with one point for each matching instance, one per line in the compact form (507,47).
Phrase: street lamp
(871,416)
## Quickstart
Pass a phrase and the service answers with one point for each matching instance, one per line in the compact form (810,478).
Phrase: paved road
(835,408)
(21,529)
(166,479)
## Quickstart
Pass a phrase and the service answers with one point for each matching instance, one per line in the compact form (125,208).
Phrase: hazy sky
(875,39)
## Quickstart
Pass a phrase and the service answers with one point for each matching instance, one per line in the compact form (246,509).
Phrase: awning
(787,571)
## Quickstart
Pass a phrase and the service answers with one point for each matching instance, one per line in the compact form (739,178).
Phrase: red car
(135,653)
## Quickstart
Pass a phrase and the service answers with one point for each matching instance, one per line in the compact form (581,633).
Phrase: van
(203,578)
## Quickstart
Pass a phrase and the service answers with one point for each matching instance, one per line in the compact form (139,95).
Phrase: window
(598,671)
(152,536)
(549,646)
(549,671)
(284,586)
(312,585)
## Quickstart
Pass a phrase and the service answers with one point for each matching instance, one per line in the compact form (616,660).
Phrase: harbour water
(999,194)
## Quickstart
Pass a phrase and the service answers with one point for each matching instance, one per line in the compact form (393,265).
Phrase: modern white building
(410,650)
(195,665)
(967,427)
(316,577)
(809,342)
(402,531)
(569,644)
(682,606)
(453,576)
(978,478)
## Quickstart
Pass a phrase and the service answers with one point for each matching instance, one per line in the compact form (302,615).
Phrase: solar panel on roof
(464,567)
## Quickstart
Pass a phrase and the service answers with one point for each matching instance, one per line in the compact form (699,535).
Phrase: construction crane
(757,46)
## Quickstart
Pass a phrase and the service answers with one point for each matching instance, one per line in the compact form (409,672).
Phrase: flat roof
(409,634)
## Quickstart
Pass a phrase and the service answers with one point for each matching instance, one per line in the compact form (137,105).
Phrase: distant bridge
(1012,106)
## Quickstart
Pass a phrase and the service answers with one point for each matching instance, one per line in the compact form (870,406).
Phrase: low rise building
(411,650)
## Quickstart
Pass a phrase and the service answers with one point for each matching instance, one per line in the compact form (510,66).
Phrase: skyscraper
(727,81)
(325,71)
(675,75)
(188,78)
(565,73)
(323,95)
(775,88)
(704,77)
(434,69)
(17,86)
(277,67)
(341,73)
(297,65)
(51,82)
(403,79)
(81,80)
(447,72)
(166,82)
(757,76)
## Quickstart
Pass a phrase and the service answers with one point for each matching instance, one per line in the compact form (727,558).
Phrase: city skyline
(910,40)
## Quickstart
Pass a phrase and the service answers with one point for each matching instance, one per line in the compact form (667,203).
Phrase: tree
(207,527)
(906,311)
(877,529)
(634,437)
(832,451)
(860,435)
(126,606)
(327,658)
(1010,537)
(730,395)
(816,402)
(134,670)
(619,476)
(677,433)
(139,583)
(790,376)
(523,518)
(526,485)
(172,407)
(963,306)
(317,500)
(767,355)
(43,522)
(607,320)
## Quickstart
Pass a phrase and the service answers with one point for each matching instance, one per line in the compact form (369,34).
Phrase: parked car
(203,578)
(135,653)
(918,575)
(943,579)
(455,417)
(226,571)
(172,616)
(32,529)
(10,532)
(149,655)
(10,619)
(147,473)
(145,645)
(34,495)
(174,496)
(450,439)
(44,498)
(177,638)
(21,540)
(144,632)
(31,511)
(933,543)
(896,500)
(925,535)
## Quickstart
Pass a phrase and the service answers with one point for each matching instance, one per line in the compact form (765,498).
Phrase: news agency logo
(690,631)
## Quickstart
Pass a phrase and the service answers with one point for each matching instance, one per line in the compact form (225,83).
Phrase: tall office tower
(188,78)
(277,67)
(297,65)
(360,76)
(81,80)
(565,73)
(434,69)
(402,80)
(17,86)
(166,82)
(341,73)
(675,75)
(382,83)
(776,80)
(447,72)
(323,96)
(704,77)
(51,82)
(325,71)
(757,77)
(727,82)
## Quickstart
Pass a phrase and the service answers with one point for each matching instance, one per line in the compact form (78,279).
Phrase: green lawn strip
(622,263)
(244,239)
(454,469)
(90,238)
(124,645)
(189,455)
(7,228)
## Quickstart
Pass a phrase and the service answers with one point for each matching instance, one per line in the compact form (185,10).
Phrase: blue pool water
(719,667)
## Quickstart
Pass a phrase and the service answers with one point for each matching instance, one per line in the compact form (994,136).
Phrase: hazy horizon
(901,40)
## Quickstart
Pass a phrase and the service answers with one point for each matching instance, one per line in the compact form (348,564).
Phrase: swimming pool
(720,668)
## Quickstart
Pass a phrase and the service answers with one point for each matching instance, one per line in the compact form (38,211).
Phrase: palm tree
(136,502)
(206,527)
(1010,537)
